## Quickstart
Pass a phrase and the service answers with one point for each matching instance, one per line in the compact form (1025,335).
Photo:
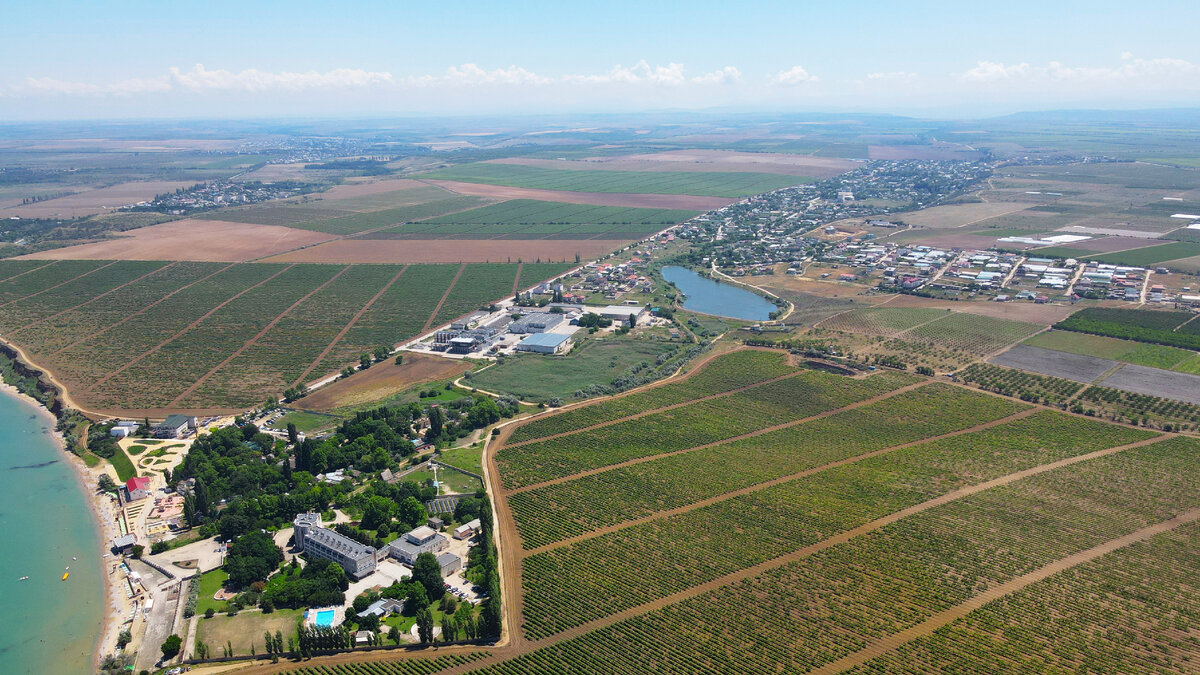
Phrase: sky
(217,59)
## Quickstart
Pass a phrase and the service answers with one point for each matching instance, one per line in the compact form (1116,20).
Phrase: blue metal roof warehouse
(546,343)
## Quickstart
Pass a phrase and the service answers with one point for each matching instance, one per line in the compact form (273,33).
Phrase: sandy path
(345,329)
(141,311)
(726,496)
(650,201)
(64,283)
(732,439)
(517,280)
(94,299)
(952,614)
(180,333)
(249,343)
(438,308)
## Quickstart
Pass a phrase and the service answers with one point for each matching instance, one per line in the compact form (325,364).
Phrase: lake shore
(103,515)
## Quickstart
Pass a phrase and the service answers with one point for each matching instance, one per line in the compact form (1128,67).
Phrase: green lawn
(1128,351)
(245,629)
(720,184)
(458,483)
(470,458)
(123,465)
(210,583)
(305,421)
(539,377)
(136,449)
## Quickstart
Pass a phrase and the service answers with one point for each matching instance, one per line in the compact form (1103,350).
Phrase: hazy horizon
(929,59)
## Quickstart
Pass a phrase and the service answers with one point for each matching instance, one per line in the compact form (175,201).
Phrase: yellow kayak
(65,575)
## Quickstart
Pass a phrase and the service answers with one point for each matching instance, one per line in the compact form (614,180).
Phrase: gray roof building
(421,540)
(537,322)
(358,560)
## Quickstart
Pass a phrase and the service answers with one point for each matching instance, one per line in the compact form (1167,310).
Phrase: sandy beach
(104,516)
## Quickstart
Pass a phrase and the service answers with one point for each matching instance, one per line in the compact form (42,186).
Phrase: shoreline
(102,519)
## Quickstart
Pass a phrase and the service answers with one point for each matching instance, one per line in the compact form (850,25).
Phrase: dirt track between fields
(948,616)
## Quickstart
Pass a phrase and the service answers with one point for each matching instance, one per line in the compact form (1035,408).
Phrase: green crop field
(719,184)
(1150,255)
(839,601)
(346,220)
(804,394)
(147,335)
(882,320)
(971,334)
(1040,628)
(1154,356)
(408,666)
(731,371)
(674,553)
(1141,325)
(555,512)
(652,528)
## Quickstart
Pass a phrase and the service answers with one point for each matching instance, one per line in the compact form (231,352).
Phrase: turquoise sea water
(49,625)
(713,297)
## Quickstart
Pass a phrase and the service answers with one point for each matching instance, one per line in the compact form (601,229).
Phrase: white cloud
(199,78)
(897,76)
(1131,70)
(639,73)
(726,75)
(796,75)
(471,74)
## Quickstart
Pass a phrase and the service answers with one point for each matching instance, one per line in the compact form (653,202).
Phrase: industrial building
(538,322)
(545,343)
(628,314)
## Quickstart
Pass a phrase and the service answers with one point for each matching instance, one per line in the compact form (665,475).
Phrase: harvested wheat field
(192,239)
(449,250)
(649,201)
(92,201)
(1016,311)
(959,215)
(382,380)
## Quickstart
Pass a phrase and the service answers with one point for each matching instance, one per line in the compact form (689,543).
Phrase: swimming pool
(324,618)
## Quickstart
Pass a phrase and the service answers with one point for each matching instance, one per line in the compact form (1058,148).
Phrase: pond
(713,297)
